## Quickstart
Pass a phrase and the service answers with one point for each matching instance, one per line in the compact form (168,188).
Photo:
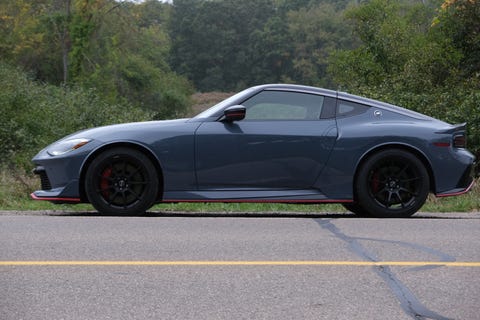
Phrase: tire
(355,208)
(121,181)
(392,184)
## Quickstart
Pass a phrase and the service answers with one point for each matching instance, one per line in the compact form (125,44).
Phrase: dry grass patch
(205,100)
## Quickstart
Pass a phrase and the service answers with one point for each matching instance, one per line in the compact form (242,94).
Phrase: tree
(127,60)
(212,40)
(316,32)
(271,52)
(228,45)
(459,21)
(119,48)
(396,48)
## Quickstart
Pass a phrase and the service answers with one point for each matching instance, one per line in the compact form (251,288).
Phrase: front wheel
(393,184)
(121,181)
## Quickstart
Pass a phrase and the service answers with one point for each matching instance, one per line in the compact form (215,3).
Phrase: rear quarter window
(349,109)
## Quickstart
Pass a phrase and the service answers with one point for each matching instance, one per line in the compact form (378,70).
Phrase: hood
(120,129)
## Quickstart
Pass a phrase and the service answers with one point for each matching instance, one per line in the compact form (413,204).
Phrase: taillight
(459,140)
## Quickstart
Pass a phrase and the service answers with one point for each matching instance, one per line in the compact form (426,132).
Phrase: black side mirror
(234,113)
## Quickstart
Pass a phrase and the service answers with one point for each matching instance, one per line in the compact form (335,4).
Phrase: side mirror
(234,113)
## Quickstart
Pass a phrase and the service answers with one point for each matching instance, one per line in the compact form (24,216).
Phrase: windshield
(229,101)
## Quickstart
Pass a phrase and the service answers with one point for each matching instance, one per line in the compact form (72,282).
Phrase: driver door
(281,144)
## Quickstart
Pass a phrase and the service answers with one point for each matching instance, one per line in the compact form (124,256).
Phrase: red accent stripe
(259,201)
(456,193)
(34,197)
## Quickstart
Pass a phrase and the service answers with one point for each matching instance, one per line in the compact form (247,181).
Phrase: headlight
(65,146)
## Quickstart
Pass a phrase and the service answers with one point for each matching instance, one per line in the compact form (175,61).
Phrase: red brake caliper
(104,183)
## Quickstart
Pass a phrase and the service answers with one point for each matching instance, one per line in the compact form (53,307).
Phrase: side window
(283,105)
(348,108)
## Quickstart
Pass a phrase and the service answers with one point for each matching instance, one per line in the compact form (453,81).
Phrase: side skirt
(252,196)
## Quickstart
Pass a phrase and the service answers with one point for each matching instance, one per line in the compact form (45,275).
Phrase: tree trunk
(66,42)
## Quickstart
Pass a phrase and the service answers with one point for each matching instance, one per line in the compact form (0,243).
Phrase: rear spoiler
(454,128)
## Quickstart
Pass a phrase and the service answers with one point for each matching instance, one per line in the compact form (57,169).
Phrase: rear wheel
(355,208)
(121,181)
(393,184)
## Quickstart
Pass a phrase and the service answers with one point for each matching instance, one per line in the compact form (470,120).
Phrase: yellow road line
(241,263)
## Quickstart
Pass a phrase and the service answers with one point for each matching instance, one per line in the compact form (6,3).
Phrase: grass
(16,187)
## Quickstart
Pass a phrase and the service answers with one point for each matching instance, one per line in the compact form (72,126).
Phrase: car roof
(298,88)
(345,96)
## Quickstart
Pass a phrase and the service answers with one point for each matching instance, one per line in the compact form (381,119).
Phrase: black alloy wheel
(392,183)
(355,208)
(121,181)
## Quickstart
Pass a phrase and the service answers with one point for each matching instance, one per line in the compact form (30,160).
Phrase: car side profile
(270,143)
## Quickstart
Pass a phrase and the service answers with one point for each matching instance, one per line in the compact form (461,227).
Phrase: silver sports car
(269,143)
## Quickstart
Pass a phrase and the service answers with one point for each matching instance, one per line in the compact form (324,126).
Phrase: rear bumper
(457,191)
(465,183)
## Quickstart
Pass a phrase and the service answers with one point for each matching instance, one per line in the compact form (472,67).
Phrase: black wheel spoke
(407,166)
(410,192)
(142,183)
(400,199)
(136,195)
(112,197)
(389,200)
(135,171)
(383,190)
(411,179)
(124,199)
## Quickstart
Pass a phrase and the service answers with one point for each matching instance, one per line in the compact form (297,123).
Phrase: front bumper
(59,176)
(65,194)
(54,196)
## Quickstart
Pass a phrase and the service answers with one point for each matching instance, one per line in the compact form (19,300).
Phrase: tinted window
(283,105)
(348,108)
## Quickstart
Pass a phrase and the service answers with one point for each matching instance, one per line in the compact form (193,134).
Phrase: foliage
(211,40)
(316,31)
(34,115)
(459,22)
(129,60)
(228,45)
(119,48)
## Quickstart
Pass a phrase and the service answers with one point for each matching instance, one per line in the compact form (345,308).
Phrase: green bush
(35,114)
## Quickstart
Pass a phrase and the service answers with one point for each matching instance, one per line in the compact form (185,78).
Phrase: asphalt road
(61,265)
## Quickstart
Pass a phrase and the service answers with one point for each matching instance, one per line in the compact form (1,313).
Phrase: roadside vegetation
(71,65)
